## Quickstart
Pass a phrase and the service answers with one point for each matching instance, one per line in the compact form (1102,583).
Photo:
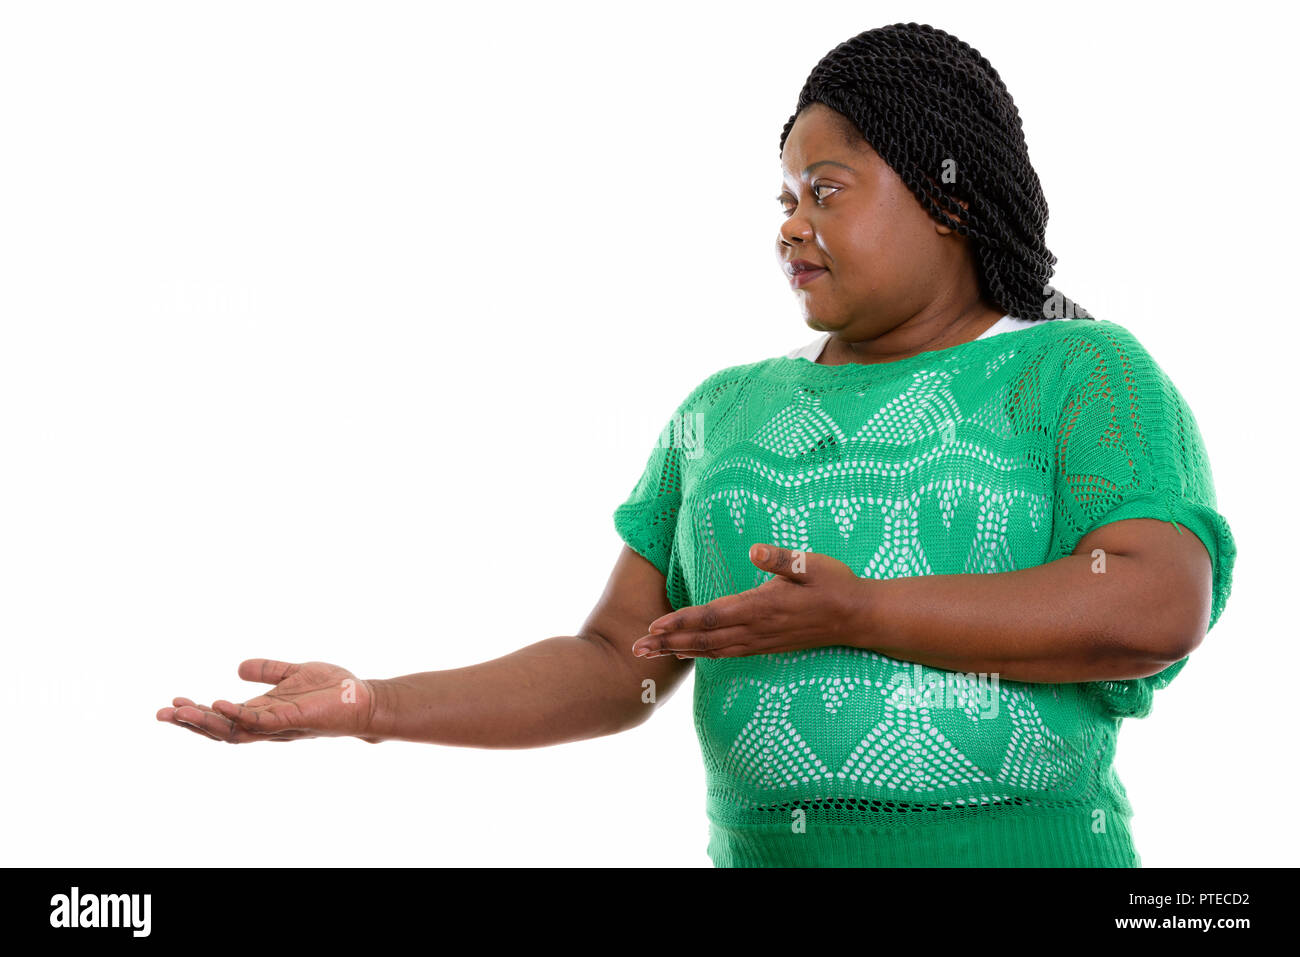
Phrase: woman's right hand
(309,700)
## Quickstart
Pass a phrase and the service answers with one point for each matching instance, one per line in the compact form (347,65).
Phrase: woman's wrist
(860,613)
(379,721)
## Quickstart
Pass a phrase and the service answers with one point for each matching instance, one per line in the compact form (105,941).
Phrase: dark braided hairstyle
(932,106)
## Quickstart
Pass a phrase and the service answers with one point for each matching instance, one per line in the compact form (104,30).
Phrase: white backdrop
(336,331)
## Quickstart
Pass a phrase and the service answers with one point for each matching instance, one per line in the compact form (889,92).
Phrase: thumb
(265,670)
(780,561)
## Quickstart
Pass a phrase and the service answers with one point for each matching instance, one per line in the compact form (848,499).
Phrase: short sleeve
(1128,446)
(647,519)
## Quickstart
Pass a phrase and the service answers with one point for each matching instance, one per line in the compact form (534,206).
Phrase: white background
(336,331)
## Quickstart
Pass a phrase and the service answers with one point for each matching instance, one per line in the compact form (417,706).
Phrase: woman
(922,567)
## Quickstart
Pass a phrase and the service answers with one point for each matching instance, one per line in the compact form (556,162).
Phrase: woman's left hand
(807,604)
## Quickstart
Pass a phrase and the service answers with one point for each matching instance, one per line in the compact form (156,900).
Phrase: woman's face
(846,210)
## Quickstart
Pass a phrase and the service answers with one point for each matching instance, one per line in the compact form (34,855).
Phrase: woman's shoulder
(716,385)
(1100,342)
(1093,330)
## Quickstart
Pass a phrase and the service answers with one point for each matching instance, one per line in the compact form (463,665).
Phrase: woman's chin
(820,324)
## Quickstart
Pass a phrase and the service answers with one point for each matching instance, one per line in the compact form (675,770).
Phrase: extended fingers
(261,721)
(171,718)
(714,643)
(722,612)
(216,726)
(207,722)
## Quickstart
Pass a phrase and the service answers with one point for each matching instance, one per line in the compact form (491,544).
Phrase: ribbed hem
(992,839)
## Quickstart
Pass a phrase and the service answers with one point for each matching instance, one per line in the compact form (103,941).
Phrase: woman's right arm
(553,691)
(557,690)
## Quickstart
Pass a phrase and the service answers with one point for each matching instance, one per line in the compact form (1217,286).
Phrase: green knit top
(993,455)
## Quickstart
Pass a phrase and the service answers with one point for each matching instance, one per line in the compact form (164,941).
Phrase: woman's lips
(805,276)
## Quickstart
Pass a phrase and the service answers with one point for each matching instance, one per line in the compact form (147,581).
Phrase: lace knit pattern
(994,455)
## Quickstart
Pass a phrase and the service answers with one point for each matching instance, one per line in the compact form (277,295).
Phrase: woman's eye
(788,202)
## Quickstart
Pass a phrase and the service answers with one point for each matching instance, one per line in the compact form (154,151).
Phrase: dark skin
(897,284)
(559,689)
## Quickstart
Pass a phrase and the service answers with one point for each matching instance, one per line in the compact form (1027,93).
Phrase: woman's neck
(910,338)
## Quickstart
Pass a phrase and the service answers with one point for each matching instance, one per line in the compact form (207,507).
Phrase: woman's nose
(794,231)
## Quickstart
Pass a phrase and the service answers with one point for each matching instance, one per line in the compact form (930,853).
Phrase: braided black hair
(934,109)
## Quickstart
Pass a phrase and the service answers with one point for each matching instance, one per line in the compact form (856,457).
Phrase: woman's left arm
(1133,598)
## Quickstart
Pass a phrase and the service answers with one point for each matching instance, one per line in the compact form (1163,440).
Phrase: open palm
(313,699)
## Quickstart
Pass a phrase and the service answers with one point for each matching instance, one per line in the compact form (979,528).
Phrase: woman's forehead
(830,135)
